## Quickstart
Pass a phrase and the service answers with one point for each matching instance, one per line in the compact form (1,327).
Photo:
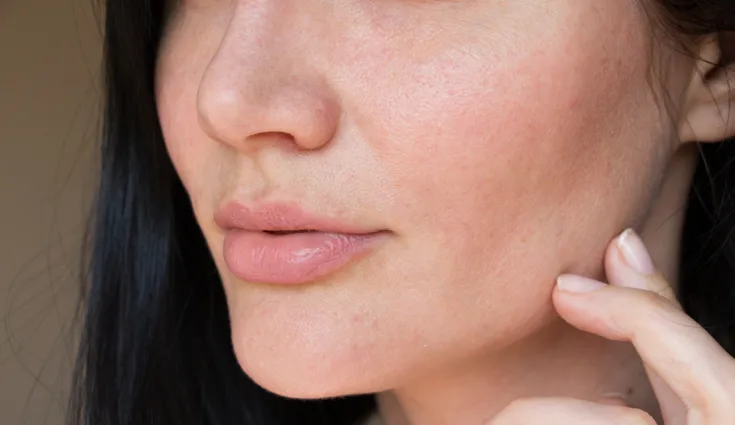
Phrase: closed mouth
(287,232)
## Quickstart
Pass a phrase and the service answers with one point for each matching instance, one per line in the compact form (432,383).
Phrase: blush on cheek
(508,161)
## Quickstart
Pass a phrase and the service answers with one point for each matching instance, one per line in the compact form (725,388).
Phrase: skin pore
(501,142)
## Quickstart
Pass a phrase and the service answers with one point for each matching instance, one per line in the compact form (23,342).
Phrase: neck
(557,360)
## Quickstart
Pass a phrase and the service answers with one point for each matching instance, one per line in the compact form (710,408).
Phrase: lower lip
(293,258)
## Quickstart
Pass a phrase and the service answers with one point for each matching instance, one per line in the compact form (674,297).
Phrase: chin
(303,373)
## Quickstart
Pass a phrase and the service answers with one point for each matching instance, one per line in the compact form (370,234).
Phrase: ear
(708,113)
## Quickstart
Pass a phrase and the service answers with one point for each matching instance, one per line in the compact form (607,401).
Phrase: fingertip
(627,262)
(634,253)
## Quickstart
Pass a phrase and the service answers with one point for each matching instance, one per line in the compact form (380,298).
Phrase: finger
(680,351)
(568,411)
(625,259)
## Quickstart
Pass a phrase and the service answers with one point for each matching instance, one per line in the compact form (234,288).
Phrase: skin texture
(503,143)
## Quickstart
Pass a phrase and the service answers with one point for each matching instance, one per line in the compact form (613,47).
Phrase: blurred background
(49,119)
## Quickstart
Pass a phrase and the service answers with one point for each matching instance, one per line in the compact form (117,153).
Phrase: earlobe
(708,113)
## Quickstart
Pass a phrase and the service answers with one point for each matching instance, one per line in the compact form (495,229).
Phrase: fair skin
(499,154)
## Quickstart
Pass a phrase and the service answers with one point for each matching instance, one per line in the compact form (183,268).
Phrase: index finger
(669,342)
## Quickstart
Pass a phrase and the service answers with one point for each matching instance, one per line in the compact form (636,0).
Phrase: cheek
(515,151)
(178,120)
(199,162)
(501,167)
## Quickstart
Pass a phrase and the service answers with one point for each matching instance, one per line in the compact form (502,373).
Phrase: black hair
(156,346)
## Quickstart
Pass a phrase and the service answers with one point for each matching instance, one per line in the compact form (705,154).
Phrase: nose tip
(234,111)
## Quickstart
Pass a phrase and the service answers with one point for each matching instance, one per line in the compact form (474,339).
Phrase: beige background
(49,103)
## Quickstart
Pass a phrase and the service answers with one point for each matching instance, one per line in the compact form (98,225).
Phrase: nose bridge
(259,80)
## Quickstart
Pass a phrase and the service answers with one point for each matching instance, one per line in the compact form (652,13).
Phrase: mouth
(294,257)
(281,243)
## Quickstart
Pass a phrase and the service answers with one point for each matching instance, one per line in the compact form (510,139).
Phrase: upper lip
(280,217)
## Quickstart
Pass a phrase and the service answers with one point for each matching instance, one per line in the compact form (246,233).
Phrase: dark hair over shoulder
(156,348)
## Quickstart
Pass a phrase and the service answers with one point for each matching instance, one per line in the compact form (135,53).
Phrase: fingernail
(615,394)
(616,399)
(577,284)
(634,252)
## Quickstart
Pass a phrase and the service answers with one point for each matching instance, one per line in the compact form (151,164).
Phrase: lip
(254,255)
(281,217)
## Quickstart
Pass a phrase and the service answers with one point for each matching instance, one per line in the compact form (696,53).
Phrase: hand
(692,376)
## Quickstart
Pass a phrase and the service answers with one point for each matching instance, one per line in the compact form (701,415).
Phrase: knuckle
(656,307)
(655,301)
(644,311)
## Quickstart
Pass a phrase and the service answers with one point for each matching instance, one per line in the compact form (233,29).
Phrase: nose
(257,84)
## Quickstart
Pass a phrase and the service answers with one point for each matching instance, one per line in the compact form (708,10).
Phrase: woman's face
(500,142)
